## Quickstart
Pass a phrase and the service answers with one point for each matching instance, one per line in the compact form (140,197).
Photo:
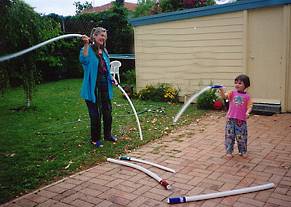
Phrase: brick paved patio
(196,152)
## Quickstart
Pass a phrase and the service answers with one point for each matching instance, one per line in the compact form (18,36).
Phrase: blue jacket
(90,66)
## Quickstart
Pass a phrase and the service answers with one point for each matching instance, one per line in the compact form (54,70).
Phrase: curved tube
(192,98)
(146,171)
(134,111)
(147,162)
(185,199)
(14,55)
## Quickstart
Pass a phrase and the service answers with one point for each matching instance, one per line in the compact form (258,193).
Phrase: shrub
(170,94)
(129,77)
(149,93)
(206,99)
(163,92)
(129,91)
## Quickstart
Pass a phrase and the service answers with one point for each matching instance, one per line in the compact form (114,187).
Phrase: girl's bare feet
(228,156)
(245,155)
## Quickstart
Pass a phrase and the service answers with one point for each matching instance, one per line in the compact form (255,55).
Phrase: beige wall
(288,54)
(268,55)
(192,53)
(265,53)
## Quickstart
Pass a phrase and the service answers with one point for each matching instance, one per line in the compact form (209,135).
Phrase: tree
(22,33)
(120,2)
(4,78)
(120,31)
(197,3)
(80,7)
(144,8)
(150,7)
(171,5)
(20,69)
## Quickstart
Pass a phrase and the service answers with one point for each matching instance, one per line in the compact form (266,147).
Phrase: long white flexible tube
(220,194)
(14,55)
(147,162)
(192,98)
(134,111)
(146,171)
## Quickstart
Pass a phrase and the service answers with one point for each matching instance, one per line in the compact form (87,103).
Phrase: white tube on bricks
(191,99)
(131,104)
(185,199)
(147,162)
(22,52)
(146,171)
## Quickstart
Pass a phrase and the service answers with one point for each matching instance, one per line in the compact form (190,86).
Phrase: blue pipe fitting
(124,158)
(216,86)
(175,200)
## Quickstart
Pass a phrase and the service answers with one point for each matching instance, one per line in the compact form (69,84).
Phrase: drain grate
(267,108)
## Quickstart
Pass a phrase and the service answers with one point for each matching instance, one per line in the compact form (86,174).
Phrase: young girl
(240,106)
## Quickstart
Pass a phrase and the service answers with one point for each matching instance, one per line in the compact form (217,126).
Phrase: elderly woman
(97,84)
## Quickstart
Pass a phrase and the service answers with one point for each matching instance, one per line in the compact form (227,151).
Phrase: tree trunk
(28,84)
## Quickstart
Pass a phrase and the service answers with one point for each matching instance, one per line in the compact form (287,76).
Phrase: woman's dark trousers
(103,108)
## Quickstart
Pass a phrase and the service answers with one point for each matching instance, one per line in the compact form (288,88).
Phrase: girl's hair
(245,79)
(96,31)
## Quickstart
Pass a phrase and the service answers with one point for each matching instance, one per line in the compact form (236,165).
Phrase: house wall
(192,53)
(265,54)
(268,55)
(288,54)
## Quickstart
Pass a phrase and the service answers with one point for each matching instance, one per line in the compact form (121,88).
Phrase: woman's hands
(85,39)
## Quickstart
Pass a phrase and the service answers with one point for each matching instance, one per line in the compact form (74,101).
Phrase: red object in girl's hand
(217,105)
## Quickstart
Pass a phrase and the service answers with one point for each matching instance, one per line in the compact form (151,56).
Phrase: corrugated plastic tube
(147,162)
(146,171)
(185,199)
(22,52)
(191,99)
(131,104)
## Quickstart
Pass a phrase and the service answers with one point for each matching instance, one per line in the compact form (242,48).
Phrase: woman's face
(100,38)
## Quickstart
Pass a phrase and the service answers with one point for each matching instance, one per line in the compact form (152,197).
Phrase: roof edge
(206,11)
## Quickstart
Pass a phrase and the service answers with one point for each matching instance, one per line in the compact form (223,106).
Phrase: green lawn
(51,140)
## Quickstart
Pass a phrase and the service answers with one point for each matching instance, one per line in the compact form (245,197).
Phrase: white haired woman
(97,84)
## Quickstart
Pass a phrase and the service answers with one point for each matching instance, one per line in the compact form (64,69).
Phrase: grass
(51,139)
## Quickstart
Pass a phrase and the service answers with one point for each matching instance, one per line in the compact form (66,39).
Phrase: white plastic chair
(114,69)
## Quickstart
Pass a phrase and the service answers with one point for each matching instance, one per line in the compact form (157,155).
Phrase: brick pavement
(196,152)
